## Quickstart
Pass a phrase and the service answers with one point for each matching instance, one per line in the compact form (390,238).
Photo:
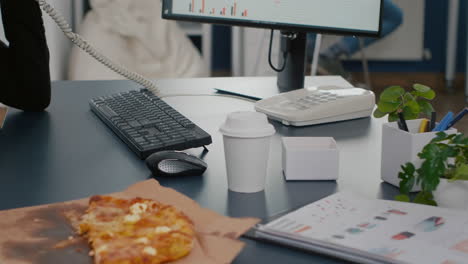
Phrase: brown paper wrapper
(44,235)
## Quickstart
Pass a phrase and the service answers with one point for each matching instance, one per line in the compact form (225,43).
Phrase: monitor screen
(359,17)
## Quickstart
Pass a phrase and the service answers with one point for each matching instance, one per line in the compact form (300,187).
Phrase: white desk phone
(316,105)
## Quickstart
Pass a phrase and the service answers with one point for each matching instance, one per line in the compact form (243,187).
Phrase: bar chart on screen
(220,8)
(230,8)
(303,12)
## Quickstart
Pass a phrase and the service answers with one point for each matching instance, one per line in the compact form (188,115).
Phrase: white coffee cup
(247,137)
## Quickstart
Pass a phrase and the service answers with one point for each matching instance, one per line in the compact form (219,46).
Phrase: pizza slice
(135,231)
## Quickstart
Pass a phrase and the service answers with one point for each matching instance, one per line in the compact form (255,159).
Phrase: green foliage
(403,198)
(446,156)
(424,197)
(395,99)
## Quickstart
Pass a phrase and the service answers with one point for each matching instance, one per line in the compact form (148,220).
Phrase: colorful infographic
(397,232)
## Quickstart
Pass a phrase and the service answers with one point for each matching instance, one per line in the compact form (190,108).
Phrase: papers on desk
(373,231)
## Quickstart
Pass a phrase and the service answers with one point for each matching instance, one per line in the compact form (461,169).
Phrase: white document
(374,231)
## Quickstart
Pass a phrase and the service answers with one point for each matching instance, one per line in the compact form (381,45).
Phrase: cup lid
(247,124)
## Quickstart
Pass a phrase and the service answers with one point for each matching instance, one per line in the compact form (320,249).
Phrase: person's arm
(24,64)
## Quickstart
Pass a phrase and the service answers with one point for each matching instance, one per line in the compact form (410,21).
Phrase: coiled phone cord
(80,42)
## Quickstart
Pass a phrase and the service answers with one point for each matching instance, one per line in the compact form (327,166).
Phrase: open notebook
(346,226)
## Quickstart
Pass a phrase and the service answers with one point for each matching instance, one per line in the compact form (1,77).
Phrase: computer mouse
(175,163)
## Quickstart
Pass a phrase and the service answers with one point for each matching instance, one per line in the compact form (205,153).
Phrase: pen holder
(400,147)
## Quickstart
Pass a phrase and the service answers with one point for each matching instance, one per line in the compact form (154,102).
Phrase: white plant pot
(400,147)
(452,194)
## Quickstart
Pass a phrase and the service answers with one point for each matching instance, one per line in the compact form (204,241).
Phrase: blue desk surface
(68,153)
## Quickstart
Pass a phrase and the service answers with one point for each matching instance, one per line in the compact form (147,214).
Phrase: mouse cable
(220,95)
(204,152)
(285,56)
(80,42)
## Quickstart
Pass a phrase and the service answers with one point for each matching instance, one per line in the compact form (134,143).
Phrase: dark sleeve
(24,64)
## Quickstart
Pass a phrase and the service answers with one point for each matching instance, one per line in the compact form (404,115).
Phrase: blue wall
(436,18)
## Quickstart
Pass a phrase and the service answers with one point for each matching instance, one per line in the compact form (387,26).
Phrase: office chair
(133,34)
(364,61)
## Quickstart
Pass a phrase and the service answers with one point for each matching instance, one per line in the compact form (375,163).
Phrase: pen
(402,122)
(433,121)
(442,126)
(423,126)
(221,91)
(458,117)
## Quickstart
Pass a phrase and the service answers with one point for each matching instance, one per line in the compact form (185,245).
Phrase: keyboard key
(146,123)
(134,124)
(109,113)
(139,139)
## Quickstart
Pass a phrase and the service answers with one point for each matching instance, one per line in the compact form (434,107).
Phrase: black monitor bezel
(258,24)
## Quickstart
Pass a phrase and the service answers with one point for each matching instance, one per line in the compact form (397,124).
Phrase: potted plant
(401,146)
(395,99)
(445,163)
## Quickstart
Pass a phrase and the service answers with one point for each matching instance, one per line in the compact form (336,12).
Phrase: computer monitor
(293,17)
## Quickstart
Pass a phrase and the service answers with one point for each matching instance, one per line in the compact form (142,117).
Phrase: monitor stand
(292,77)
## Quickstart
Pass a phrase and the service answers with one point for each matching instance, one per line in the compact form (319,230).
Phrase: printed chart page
(398,232)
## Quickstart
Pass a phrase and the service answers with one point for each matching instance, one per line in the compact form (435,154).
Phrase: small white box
(310,158)
(400,147)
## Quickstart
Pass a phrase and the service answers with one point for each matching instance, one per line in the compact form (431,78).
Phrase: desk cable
(220,95)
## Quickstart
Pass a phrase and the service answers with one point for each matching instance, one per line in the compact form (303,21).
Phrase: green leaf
(460,139)
(407,178)
(451,151)
(440,136)
(427,95)
(392,94)
(411,110)
(425,198)
(387,107)
(379,114)
(392,117)
(402,198)
(433,167)
(413,105)
(407,183)
(421,88)
(425,107)
(409,168)
(461,172)
(408,98)
(423,91)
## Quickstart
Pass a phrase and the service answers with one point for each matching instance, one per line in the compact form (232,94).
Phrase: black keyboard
(147,124)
